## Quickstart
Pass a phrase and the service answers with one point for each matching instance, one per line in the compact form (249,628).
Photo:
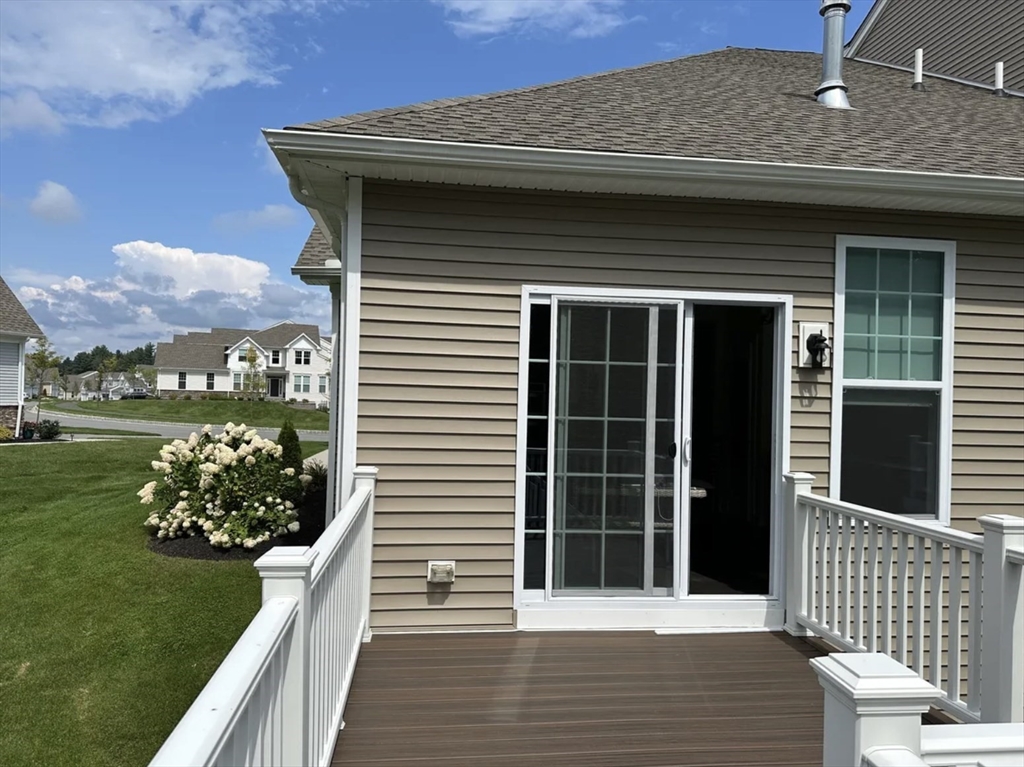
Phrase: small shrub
(317,471)
(232,488)
(288,439)
(48,429)
(6,434)
(186,396)
(172,395)
(204,396)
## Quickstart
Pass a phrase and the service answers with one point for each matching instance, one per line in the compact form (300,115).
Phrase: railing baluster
(822,555)
(811,598)
(974,632)
(872,587)
(887,590)
(935,624)
(833,570)
(846,633)
(902,598)
(955,626)
(918,637)
(858,583)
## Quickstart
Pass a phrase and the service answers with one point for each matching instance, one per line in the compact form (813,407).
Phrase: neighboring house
(51,382)
(574,318)
(113,386)
(961,41)
(293,358)
(16,327)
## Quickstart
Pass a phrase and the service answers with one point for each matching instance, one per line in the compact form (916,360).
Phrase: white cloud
(574,18)
(154,291)
(110,63)
(267,217)
(55,203)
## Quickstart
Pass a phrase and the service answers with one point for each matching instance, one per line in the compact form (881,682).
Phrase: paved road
(69,421)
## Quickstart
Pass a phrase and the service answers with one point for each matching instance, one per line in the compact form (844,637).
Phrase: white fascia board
(299,337)
(364,154)
(247,341)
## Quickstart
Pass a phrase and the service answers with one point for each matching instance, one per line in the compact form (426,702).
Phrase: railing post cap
(286,560)
(1007,523)
(801,477)
(874,683)
(365,471)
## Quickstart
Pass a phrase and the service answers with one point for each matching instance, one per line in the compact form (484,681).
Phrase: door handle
(687,449)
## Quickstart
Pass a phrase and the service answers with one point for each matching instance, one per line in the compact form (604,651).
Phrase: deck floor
(594,699)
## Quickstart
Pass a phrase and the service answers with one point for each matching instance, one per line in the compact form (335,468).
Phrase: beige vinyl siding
(443,269)
(960,38)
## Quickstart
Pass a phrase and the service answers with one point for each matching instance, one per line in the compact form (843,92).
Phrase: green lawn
(103,644)
(198,411)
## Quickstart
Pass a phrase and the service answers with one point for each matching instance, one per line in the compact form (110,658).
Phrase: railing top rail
(892,756)
(907,525)
(331,538)
(1015,555)
(200,735)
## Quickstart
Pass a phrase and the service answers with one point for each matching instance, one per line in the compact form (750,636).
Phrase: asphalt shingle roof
(204,350)
(316,250)
(737,104)
(14,317)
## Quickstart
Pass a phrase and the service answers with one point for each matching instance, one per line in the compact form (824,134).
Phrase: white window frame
(537,608)
(236,382)
(300,384)
(210,381)
(322,385)
(303,357)
(182,380)
(275,357)
(243,355)
(944,386)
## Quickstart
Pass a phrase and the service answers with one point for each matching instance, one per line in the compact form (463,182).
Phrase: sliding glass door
(614,420)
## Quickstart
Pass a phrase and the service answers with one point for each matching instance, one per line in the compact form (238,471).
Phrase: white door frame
(698,612)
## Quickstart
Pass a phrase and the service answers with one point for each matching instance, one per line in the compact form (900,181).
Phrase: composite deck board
(594,699)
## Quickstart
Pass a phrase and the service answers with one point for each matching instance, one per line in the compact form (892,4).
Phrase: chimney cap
(826,4)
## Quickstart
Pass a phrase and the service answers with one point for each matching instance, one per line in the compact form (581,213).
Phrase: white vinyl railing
(873,707)
(869,581)
(278,698)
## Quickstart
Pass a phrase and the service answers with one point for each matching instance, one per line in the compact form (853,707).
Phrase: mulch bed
(311,524)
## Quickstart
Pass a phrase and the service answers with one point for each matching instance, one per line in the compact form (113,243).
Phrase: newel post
(366,476)
(797,551)
(871,701)
(1002,621)
(286,571)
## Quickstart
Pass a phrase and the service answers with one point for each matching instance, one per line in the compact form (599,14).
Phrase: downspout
(338,348)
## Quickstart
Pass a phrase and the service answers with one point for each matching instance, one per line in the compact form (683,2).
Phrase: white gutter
(344,149)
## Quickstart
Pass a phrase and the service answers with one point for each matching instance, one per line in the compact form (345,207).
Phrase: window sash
(236,382)
(182,380)
(209,381)
(943,383)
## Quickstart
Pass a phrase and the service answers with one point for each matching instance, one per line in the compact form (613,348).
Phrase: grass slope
(197,412)
(103,644)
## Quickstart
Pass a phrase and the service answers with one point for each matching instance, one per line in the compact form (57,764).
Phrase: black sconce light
(817,347)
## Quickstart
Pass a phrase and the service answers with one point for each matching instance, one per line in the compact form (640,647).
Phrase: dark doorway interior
(730,529)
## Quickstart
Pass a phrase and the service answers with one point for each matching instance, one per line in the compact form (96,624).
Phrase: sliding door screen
(614,424)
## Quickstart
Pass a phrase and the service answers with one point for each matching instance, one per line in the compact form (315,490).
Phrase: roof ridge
(426,106)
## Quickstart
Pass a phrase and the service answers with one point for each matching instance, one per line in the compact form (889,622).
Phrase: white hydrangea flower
(249,543)
(164,525)
(183,494)
(305,479)
(293,527)
(161,534)
(207,429)
(290,471)
(250,460)
(289,505)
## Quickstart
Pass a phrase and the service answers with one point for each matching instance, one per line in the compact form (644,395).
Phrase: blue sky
(136,196)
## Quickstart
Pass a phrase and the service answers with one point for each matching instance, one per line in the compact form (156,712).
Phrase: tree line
(100,357)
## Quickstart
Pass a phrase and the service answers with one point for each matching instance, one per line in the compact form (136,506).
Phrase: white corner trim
(945,460)
(352,264)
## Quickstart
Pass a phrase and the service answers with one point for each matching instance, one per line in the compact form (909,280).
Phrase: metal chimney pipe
(832,91)
(918,70)
(999,80)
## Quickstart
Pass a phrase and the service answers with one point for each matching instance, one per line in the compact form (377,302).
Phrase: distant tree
(104,367)
(40,362)
(149,376)
(254,383)
(291,450)
(63,383)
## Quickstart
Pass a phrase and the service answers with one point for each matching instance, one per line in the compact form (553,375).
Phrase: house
(112,385)
(16,327)
(293,359)
(727,350)
(606,287)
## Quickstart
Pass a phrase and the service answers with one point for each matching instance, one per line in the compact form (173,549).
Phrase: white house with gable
(294,359)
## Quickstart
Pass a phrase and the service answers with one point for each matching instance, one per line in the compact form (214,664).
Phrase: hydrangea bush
(231,487)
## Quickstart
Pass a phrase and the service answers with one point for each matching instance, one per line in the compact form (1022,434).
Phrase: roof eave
(574,170)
